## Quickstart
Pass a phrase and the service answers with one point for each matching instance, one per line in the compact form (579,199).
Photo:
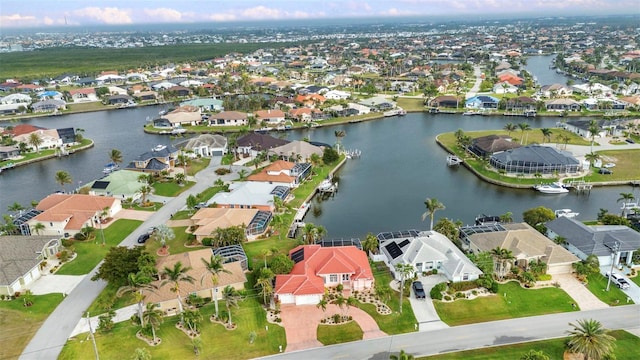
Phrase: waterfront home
(122,184)
(486,146)
(16,99)
(426,251)
(21,259)
(553,90)
(119,100)
(446,101)
(482,102)
(9,152)
(532,159)
(159,159)
(283,172)
(228,118)
(253,143)
(525,243)
(297,150)
(504,88)
(167,301)
(184,115)
(83,95)
(49,137)
(205,104)
(270,117)
(317,268)
(250,195)
(147,95)
(204,145)
(610,243)
(581,127)
(521,103)
(48,105)
(66,214)
(207,220)
(303,114)
(378,103)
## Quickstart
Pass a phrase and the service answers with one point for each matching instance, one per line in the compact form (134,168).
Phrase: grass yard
(20,323)
(597,284)
(176,246)
(91,252)
(636,279)
(337,334)
(197,164)
(411,104)
(107,300)
(218,343)
(626,165)
(171,188)
(395,323)
(518,302)
(627,348)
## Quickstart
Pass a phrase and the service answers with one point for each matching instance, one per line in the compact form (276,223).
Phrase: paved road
(54,332)
(472,336)
(477,73)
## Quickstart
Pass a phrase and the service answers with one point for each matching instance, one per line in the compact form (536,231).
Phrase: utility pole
(93,339)
(614,255)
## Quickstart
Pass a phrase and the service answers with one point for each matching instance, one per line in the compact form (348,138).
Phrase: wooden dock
(579,186)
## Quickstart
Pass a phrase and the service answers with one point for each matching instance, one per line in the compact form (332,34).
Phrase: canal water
(383,190)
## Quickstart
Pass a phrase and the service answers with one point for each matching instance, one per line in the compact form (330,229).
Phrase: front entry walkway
(301,323)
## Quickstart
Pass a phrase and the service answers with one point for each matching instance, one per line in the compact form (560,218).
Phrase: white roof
(15,98)
(246,193)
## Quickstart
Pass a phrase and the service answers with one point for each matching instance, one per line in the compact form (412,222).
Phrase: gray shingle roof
(18,255)
(598,240)
(536,154)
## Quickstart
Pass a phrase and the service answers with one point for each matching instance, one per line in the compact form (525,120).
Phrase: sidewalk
(123,314)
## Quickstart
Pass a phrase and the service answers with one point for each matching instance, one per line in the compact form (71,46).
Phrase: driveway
(578,292)
(50,283)
(425,312)
(633,292)
(301,322)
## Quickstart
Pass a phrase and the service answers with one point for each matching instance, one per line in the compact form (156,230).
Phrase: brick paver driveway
(301,323)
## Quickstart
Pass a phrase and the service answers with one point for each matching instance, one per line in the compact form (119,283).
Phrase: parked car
(201,205)
(609,165)
(630,141)
(620,282)
(143,238)
(605,171)
(418,289)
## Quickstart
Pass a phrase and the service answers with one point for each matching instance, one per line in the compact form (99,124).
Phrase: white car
(609,165)
(620,281)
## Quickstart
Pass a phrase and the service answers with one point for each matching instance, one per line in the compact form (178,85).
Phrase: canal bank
(57,154)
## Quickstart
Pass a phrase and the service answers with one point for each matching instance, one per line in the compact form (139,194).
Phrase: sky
(42,13)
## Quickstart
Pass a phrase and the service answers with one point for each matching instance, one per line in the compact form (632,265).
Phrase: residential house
(83,95)
(270,117)
(581,127)
(521,103)
(167,301)
(250,195)
(485,146)
(612,244)
(119,99)
(49,105)
(317,268)
(447,101)
(283,172)
(159,159)
(554,90)
(67,135)
(205,145)
(184,115)
(207,220)
(253,143)
(122,184)
(228,118)
(49,137)
(9,152)
(482,102)
(378,103)
(21,258)
(532,159)
(525,243)
(425,251)
(504,88)
(205,104)
(297,150)
(180,91)
(66,214)
(337,95)
(148,95)
(562,105)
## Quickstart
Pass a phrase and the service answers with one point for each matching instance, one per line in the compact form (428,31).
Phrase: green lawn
(337,334)
(395,323)
(597,284)
(171,188)
(91,252)
(636,279)
(218,343)
(176,246)
(107,300)
(197,164)
(627,348)
(20,323)
(518,302)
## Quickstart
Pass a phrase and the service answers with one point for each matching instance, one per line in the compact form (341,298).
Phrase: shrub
(436,291)
(79,236)
(337,318)
(543,277)
(2,297)
(463,285)
(222,171)
(474,292)
(16,294)
(447,298)
(434,271)
(494,287)
(64,256)
(459,295)
(207,242)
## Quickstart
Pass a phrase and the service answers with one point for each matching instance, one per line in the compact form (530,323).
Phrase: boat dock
(579,185)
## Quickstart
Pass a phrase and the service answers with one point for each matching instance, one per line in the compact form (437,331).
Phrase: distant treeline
(27,66)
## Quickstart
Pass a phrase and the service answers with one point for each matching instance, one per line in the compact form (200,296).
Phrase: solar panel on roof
(404,243)
(393,249)
(297,256)
(100,184)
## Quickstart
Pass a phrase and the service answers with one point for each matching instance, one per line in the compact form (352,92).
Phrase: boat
(630,206)
(470,113)
(553,188)
(325,185)
(565,213)
(178,131)
(110,167)
(487,219)
(453,160)
(395,112)
(159,147)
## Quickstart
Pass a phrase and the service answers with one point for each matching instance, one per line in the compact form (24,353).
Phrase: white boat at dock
(395,112)
(553,188)
(110,167)
(630,206)
(453,160)
(566,213)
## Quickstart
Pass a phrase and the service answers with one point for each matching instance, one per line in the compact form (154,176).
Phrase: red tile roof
(22,129)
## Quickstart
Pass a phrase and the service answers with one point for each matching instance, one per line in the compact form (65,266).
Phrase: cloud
(262,12)
(396,12)
(107,15)
(17,20)
(164,14)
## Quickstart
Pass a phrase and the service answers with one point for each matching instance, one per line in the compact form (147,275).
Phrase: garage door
(216,153)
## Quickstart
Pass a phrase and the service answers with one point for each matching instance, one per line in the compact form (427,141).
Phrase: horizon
(75,14)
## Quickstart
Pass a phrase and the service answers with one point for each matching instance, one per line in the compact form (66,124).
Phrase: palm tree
(231,298)
(266,288)
(144,191)
(322,304)
(503,258)
(510,127)
(432,206)
(401,356)
(339,134)
(153,317)
(115,156)
(62,177)
(625,198)
(594,129)
(546,134)
(592,157)
(35,140)
(590,339)
(16,208)
(137,284)
(524,127)
(506,217)
(370,244)
(535,355)
(38,227)
(405,271)
(215,267)
(174,276)
(192,319)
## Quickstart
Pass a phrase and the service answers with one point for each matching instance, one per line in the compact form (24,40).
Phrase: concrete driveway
(50,283)
(423,309)
(301,323)
(633,292)
(578,292)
